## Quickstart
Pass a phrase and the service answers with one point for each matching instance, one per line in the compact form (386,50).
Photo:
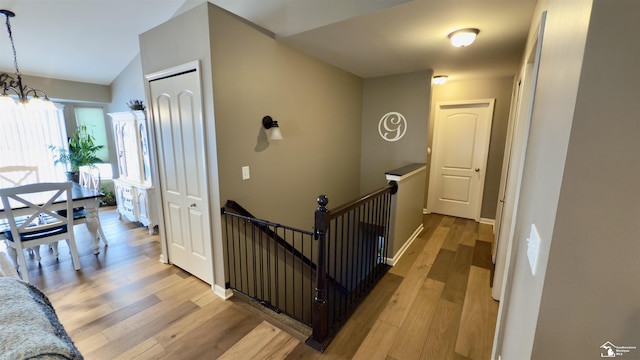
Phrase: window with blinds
(27,134)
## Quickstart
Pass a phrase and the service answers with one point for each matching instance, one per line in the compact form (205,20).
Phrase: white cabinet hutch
(134,190)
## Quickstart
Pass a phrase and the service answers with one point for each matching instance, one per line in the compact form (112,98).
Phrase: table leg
(152,228)
(92,225)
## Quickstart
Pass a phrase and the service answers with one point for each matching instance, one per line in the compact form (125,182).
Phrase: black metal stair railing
(316,278)
(237,209)
(271,264)
(352,251)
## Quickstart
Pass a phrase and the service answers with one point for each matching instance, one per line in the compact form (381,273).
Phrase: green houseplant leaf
(80,151)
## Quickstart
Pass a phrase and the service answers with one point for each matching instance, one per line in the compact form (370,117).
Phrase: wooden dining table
(81,197)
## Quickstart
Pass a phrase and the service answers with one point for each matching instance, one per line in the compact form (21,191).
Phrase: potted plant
(109,198)
(81,151)
(134,105)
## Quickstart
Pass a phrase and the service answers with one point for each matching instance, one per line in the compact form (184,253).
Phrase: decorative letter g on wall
(392,126)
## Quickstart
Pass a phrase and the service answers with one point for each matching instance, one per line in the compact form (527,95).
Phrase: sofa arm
(30,327)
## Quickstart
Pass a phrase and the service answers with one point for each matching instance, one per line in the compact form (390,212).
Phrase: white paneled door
(458,162)
(177,114)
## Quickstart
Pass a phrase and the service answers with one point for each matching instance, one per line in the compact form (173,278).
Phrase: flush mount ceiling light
(440,79)
(26,95)
(463,37)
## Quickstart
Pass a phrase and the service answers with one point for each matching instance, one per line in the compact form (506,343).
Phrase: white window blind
(25,137)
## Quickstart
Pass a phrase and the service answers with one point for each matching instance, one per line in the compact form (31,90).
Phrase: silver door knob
(477,169)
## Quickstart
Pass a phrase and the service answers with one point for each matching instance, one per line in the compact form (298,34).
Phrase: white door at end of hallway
(458,163)
(179,128)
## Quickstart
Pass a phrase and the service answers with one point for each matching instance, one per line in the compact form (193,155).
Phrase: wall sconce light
(269,123)
(440,79)
(463,37)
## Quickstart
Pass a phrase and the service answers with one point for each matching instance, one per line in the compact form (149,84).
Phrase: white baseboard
(222,292)
(487,221)
(491,222)
(404,247)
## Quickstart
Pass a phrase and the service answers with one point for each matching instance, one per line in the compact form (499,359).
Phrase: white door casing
(512,178)
(461,137)
(506,246)
(506,161)
(176,103)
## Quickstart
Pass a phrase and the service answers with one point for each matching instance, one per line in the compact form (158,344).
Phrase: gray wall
(128,85)
(64,90)
(408,94)
(408,211)
(317,106)
(489,88)
(592,285)
(553,114)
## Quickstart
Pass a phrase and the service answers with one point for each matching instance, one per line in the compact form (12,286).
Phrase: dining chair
(33,221)
(11,176)
(90,179)
(16,175)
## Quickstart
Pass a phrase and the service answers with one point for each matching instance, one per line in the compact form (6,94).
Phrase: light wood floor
(124,304)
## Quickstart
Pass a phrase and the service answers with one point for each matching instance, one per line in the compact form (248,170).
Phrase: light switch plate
(245,173)
(533,248)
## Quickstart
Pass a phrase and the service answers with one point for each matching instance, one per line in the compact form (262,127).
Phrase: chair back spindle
(90,177)
(12,176)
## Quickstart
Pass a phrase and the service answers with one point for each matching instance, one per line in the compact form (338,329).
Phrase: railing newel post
(320,319)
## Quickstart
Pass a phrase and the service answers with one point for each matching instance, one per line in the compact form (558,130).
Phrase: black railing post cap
(323,200)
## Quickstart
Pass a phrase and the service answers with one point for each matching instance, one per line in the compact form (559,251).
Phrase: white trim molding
(491,222)
(487,221)
(223,293)
(395,259)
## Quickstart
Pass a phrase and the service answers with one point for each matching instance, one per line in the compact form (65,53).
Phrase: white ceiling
(94,40)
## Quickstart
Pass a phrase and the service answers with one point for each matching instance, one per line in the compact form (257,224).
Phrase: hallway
(434,304)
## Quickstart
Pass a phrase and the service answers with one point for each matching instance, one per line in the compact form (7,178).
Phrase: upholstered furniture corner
(29,326)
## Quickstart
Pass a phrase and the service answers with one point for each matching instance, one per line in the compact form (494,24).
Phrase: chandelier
(27,96)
